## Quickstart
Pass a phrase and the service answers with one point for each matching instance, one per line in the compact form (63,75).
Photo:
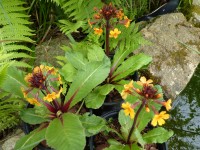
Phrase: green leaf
(29,116)
(130,65)
(76,59)
(14,81)
(137,137)
(28,142)
(136,147)
(126,123)
(87,79)
(96,98)
(68,134)
(95,53)
(118,147)
(157,135)
(68,72)
(92,124)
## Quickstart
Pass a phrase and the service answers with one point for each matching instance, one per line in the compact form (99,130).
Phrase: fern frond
(9,108)
(14,32)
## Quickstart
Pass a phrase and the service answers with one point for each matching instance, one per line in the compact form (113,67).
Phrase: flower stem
(135,120)
(107,38)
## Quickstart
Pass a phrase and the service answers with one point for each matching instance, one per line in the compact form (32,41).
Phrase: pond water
(185,117)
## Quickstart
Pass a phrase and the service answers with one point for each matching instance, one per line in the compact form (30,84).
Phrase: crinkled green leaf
(92,124)
(118,147)
(137,137)
(76,59)
(68,134)
(29,116)
(126,123)
(96,98)
(68,72)
(157,135)
(14,81)
(95,53)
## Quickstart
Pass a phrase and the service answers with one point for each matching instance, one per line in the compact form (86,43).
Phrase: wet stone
(175,49)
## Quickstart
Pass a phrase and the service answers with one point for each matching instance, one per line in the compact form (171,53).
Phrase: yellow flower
(127,90)
(114,33)
(128,110)
(167,104)
(160,118)
(127,21)
(50,97)
(144,81)
(98,31)
(33,101)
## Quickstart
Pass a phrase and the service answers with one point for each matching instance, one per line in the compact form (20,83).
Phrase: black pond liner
(114,114)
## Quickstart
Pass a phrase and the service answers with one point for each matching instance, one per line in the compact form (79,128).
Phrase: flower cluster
(148,95)
(41,85)
(107,13)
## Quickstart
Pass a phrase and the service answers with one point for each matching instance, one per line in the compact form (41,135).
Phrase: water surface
(185,117)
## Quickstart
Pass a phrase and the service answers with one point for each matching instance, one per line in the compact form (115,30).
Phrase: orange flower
(114,33)
(127,90)
(120,14)
(128,110)
(144,81)
(98,31)
(160,118)
(167,104)
(33,101)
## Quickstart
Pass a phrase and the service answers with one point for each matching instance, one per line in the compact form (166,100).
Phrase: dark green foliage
(9,108)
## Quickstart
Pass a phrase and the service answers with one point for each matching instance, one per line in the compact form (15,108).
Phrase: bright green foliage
(95,99)
(14,32)
(92,124)
(92,74)
(157,135)
(9,107)
(66,134)
(28,142)
(14,81)
(31,117)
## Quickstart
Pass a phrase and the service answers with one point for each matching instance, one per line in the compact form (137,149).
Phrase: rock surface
(175,48)
(48,50)
(10,140)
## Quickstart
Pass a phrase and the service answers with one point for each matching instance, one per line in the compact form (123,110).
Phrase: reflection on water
(185,121)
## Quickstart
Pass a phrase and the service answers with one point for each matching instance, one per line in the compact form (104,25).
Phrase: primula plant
(112,34)
(51,112)
(141,117)
(90,71)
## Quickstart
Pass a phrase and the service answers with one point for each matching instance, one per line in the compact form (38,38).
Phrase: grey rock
(175,48)
(48,50)
(11,140)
